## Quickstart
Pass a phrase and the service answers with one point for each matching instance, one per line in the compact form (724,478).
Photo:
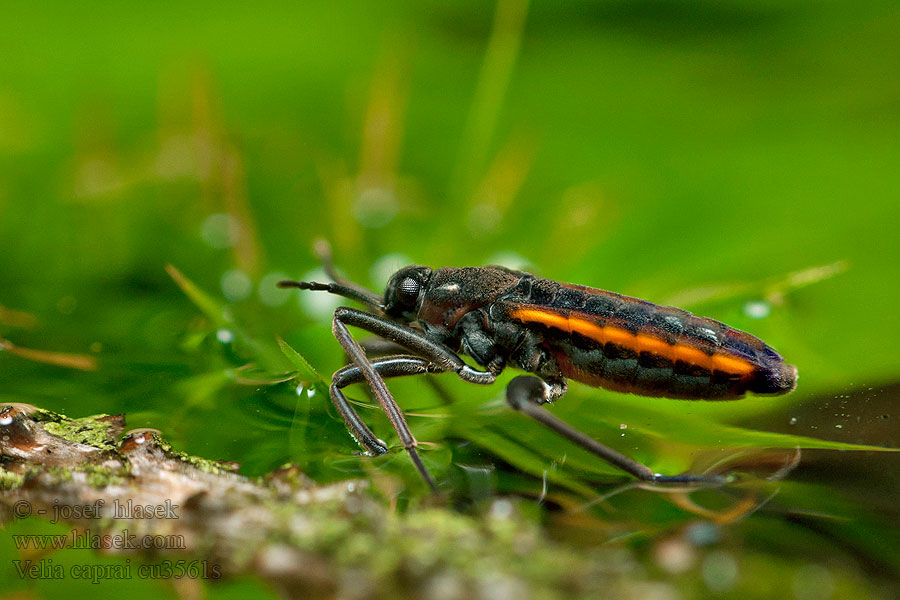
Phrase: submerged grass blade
(305,371)
(529,460)
(311,385)
(218,314)
(82,362)
(684,426)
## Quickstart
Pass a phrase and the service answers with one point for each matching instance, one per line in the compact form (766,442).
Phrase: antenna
(359,295)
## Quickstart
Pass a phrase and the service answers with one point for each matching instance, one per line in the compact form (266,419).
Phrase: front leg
(411,339)
(390,366)
(439,355)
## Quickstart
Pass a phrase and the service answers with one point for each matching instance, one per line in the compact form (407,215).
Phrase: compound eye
(408,291)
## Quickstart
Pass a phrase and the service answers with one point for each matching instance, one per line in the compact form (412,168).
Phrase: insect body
(555,331)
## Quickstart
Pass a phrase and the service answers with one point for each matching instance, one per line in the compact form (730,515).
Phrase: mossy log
(304,539)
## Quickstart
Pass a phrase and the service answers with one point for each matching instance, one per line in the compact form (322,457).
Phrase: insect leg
(412,340)
(441,356)
(526,393)
(381,347)
(388,404)
(391,366)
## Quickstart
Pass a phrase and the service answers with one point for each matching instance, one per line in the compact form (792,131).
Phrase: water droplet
(510,260)
(757,309)
(719,571)
(311,392)
(812,582)
(484,218)
(703,533)
(318,305)
(236,285)
(6,420)
(501,509)
(793,420)
(838,426)
(269,293)
(375,207)
(97,177)
(225,336)
(623,426)
(387,265)
(674,555)
(220,230)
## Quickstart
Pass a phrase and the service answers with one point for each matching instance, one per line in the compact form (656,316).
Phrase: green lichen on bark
(201,464)
(10,480)
(100,476)
(300,536)
(91,431)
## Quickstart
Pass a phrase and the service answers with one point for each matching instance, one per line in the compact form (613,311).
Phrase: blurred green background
(737,158)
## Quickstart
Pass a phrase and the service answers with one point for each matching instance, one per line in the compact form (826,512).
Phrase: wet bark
(304,539)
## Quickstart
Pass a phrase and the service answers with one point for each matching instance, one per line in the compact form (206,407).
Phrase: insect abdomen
(631,345)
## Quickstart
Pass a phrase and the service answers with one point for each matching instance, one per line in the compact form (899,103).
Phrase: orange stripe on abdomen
(640,342)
